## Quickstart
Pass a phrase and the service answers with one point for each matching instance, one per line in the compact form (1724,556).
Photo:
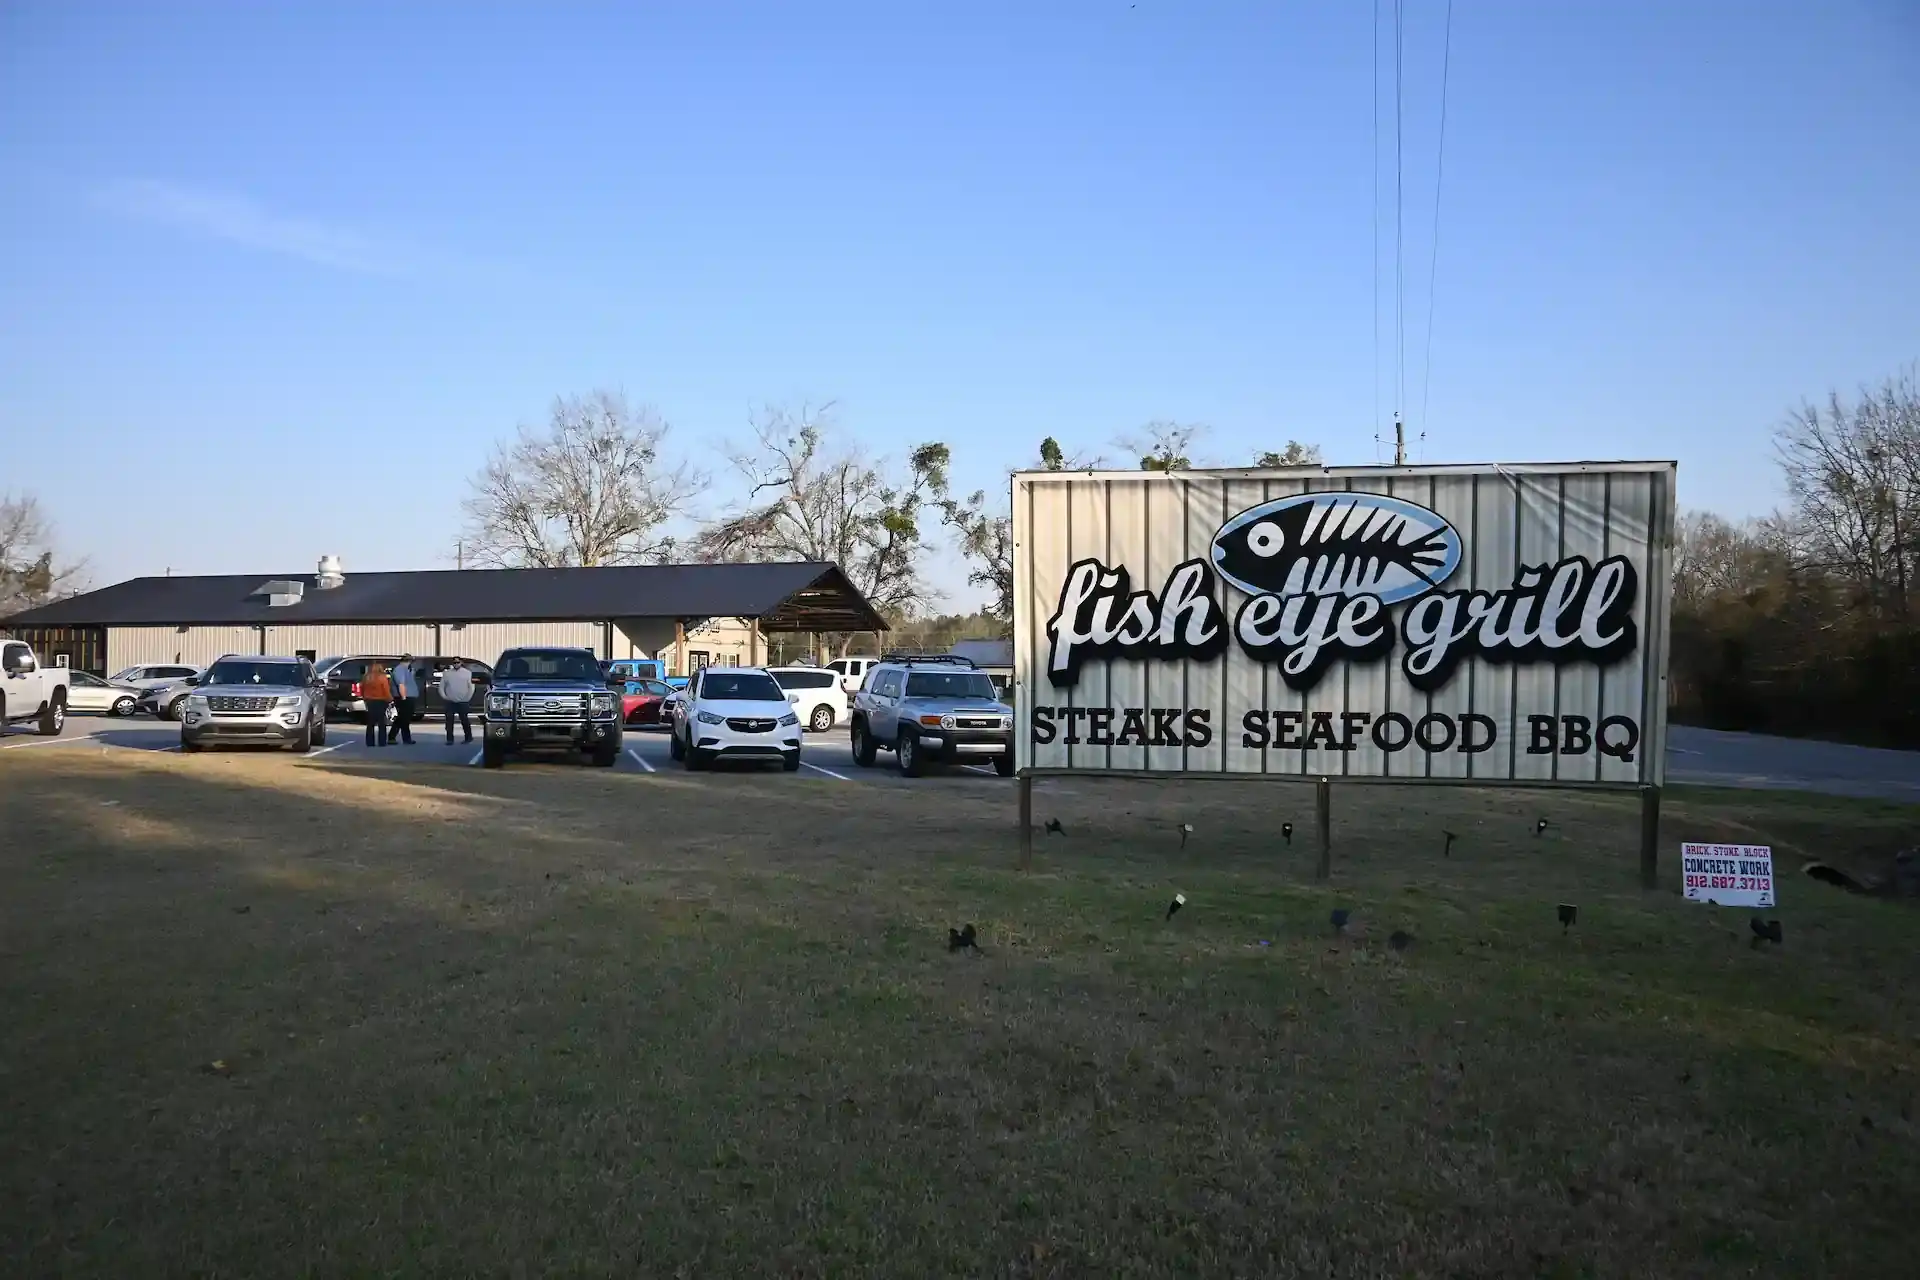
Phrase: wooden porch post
(679,647)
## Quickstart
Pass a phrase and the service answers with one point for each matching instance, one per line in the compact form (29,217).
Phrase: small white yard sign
(1732,875)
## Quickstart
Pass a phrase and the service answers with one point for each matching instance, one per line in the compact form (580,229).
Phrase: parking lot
(825,757)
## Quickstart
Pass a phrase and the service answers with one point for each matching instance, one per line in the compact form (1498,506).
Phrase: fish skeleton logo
(1350,543)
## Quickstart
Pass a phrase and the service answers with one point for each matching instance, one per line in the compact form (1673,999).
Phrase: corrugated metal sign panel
(1501,623)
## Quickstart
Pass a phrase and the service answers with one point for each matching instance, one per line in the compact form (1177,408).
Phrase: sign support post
(1650,837)
(1025,783)
(1323,823)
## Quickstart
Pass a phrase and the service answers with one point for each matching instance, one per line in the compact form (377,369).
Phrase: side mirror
(793,697)
(191,682)
(20,664)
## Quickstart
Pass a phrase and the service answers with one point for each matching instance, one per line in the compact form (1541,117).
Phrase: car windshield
(535,664)
(949,684)
(275,673)
(327,664)
(745,686)
(653,688)
(125,673)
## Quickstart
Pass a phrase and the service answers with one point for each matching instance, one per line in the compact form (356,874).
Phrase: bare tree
(1853,471)
(29,576)
(1054,458)
(984,531)
(593,489)
(1294,455)
(1162,445)
(810,497)
(1715,559)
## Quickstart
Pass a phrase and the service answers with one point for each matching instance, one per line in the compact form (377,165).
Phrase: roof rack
(928,659)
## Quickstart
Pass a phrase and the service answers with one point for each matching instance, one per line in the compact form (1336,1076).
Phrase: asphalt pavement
(823,756)
(1717,758)
(1704,756)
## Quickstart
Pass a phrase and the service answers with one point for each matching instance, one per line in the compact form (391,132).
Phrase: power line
(1375,52)
(1399,215)
(1439,177)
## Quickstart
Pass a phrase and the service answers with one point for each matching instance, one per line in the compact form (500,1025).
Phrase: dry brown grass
(573,1021)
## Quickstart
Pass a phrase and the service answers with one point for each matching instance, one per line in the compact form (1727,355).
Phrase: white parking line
(322,751)
(639,760)
(45,742)
(477,755)
(979,768)
(830,773)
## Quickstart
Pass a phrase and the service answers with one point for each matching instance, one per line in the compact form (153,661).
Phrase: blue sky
(295,267)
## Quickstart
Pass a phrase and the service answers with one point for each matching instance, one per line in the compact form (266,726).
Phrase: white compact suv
(735,713)
(816,695)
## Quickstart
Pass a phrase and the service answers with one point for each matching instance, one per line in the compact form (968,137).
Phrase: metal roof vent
(281,591)
(331,573)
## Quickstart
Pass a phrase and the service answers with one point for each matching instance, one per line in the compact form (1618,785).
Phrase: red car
(640,702)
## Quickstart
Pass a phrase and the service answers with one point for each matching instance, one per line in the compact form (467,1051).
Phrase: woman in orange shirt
(377,692)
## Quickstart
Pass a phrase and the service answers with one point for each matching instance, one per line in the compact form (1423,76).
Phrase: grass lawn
(563,1021)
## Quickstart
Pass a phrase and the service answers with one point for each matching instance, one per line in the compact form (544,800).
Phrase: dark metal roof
(785,597)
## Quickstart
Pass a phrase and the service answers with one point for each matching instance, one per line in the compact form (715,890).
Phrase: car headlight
(946,722)
(602,704)
(707,717)
(288,700)
(789,719)
(499,703)
(197,701)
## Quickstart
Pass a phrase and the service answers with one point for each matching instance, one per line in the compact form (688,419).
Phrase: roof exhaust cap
(281,592)
(331,574)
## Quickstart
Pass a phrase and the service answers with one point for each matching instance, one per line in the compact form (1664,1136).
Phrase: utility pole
(459,555)
(1399,442)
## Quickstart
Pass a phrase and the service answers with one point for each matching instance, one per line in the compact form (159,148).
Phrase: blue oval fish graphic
(1345,543)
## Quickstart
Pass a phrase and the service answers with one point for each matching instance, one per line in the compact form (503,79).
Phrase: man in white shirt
(456,690)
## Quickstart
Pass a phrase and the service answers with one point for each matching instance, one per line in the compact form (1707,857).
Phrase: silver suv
(927,709)
(242,698)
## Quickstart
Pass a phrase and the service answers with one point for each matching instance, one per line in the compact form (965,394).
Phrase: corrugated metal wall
(487,640)
(1505,517)
(127,646)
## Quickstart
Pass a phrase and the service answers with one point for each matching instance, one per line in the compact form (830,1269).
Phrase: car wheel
(304,743)
(492,756)
(121,707)
(606,757)
(320,732)
(697,760)
(862,745)
(1003,765)
(791,762)
(675,750)
(907,752)
(53,718)
(822,719)
(191,747)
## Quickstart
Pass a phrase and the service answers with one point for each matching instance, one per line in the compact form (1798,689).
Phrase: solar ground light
(1286,832)
(1568,914)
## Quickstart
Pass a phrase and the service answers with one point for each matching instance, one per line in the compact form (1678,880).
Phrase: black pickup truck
(550,700)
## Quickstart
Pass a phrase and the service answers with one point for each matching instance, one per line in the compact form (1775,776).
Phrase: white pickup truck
(30,692)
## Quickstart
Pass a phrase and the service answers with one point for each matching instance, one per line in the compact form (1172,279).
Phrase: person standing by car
(406,696)
(376,691)
(456,690)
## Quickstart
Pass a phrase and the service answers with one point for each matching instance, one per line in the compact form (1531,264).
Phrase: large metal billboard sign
(1499,623)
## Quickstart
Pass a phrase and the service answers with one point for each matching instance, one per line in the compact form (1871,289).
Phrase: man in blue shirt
(406,696)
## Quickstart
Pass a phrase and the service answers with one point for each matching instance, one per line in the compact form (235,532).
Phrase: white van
(852,671)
